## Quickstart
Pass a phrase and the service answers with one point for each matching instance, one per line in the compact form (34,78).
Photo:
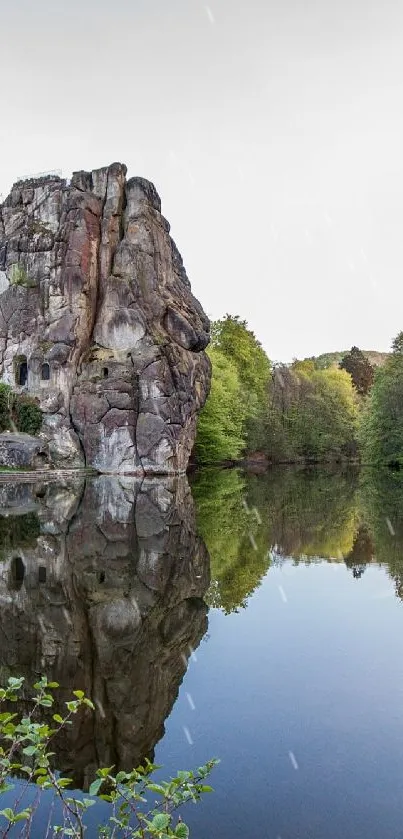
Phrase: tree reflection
(307,515)
(381,502)
(246,520)
(231,523)
(104,583)
(362,552)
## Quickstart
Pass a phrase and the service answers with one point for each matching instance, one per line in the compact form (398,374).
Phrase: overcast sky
(272,129)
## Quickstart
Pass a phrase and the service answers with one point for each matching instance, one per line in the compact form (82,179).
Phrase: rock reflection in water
(104,594)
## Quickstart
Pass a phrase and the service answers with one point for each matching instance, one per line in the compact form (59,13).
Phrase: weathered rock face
(21,451)
(98,321)
(104,594)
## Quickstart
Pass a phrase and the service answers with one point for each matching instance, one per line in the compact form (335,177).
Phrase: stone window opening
(17,573)
(45,372)
(21,370)
(105,372)
(42,574)
(101,577)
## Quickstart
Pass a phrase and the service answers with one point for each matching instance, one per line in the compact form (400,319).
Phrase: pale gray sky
(273,130)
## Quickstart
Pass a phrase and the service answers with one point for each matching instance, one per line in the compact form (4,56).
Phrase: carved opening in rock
(17,573)
(45,372)
(21,370)
(105,372)
(101,577)
(42,574)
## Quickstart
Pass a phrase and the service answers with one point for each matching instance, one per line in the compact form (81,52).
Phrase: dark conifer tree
(361,371)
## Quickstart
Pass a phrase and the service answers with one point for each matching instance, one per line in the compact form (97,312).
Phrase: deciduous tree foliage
(382,425)
(290,413)
(221,426)
(313,414)
(239,344)
(238,397)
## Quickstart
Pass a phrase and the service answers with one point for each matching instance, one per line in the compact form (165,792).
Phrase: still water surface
(260,623)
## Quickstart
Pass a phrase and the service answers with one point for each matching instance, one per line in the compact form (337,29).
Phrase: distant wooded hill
(333,359)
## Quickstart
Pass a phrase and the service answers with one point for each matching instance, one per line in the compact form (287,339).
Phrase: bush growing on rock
(20,411)
(5,402)
(27,415)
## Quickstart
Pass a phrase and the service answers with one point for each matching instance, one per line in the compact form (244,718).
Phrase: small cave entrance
(105,372)
(21,370)
(17,573)
(45,372)
(41,463)
(41,574)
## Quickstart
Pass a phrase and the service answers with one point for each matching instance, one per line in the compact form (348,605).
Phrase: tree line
(299,412)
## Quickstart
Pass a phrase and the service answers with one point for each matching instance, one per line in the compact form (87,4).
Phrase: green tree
(382,422)
(289,412)
(313,414)
(221,425)
(239,345)
(330,419)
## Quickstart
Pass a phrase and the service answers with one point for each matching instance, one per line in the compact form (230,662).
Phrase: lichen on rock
(97,321)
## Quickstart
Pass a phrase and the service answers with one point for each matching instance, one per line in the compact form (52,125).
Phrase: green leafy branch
(25,743)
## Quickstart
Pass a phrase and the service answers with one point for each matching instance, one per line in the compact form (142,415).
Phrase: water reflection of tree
(235,531)
(122,600)
(312,513)
(362,552)
(305,514)
(381,504)
(308,515)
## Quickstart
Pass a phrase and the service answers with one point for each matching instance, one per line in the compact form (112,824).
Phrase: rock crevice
(92,285)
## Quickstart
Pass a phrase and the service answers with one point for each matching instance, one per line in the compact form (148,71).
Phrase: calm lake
(253,618)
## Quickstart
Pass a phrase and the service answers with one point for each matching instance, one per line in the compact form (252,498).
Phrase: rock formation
(97,320)
(104,594)
(21,451)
